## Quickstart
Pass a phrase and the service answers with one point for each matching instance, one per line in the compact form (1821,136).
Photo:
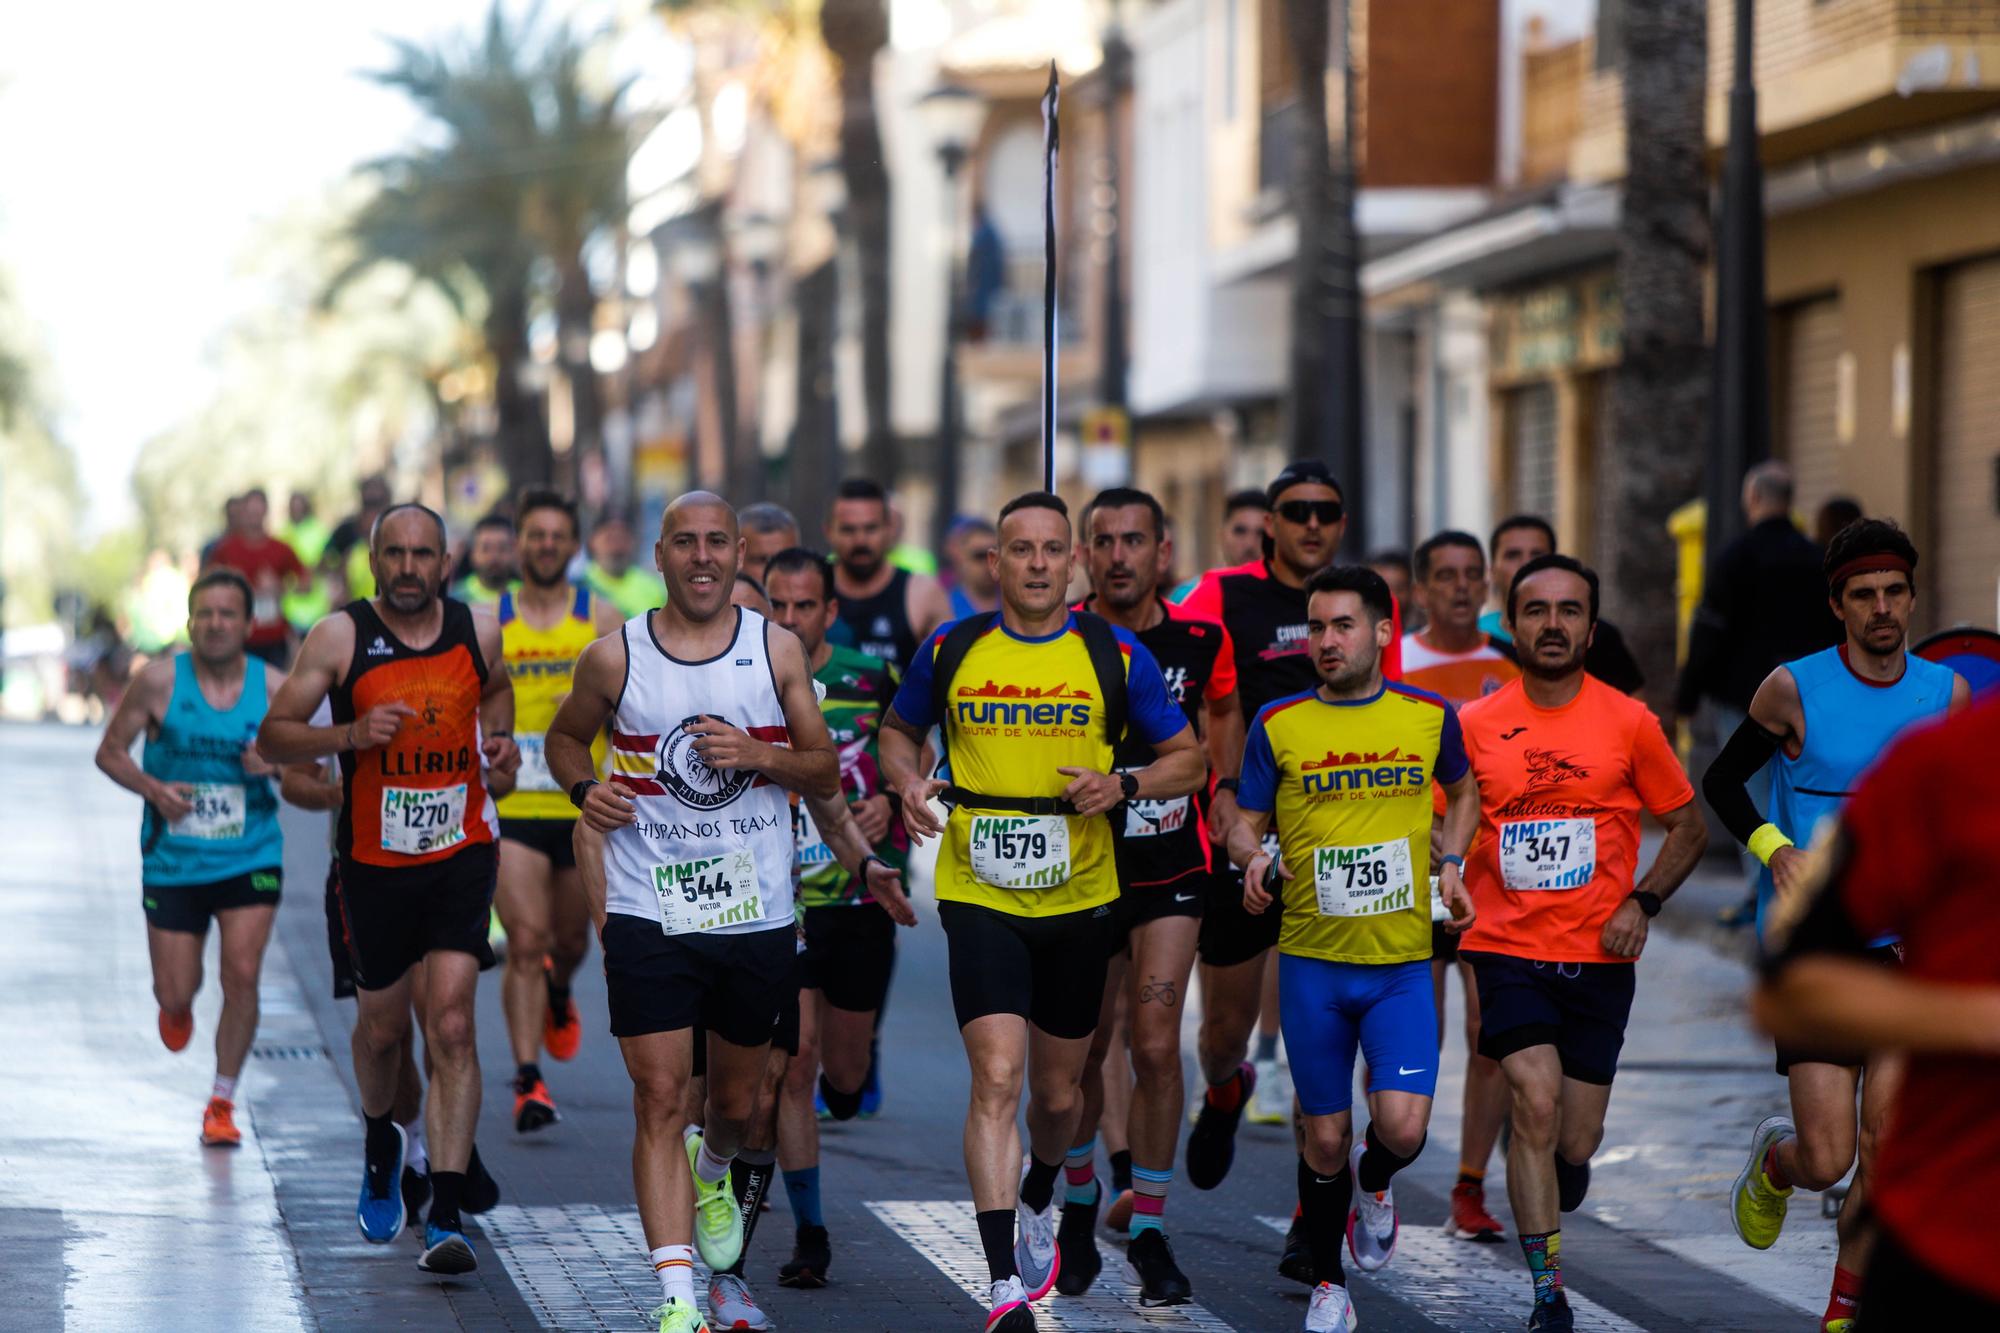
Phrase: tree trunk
(855,31)
(576,305)
(1659,393)
(520,434)
(815,422)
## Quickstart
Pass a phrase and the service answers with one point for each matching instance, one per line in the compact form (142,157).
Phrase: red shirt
(268,564)
(1917,862)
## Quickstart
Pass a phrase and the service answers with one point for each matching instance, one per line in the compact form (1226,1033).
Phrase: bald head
(699,552)
(697,508)
(412,513)
(1767,491)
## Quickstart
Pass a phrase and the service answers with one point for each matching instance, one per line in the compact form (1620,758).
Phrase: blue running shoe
(446,1252)
(871,1088)
(380,1212)
(819,1104)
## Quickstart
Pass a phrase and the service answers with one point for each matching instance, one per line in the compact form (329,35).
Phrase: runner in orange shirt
(1565,764)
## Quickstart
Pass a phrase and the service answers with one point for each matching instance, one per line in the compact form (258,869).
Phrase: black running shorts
(336,935)
(850,953)
(1186,896)
(1444,943)
(395,917)
(1579,1008)
(1050,970)
(736,986)
(1230,935)
(186,908)
(550,837)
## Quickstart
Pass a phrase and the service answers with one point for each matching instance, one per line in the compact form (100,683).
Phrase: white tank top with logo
(711,849)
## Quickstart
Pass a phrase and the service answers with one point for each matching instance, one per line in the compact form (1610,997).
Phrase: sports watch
(1649,903)
(580,790)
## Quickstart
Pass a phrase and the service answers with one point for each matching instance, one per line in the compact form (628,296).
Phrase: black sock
(379,1148)
(527,1076)
(1467,1178)
(996,1237)
(1121,1171)
(1378,1164)
(558,995)
(840,1105)
(1572,1183)
(1267,1047)
(1323,1204)
(447,1187)
(749,1178)
(1038,1188)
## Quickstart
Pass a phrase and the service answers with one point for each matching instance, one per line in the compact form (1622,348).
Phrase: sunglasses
(1328,512)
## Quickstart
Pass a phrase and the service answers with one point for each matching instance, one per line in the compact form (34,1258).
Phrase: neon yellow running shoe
(1838,1326)
(678,1316)
(1756,1206)
(718,1222)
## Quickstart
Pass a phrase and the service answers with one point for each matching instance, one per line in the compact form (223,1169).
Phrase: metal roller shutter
(1531,450)
(1807,407)
(1960,577)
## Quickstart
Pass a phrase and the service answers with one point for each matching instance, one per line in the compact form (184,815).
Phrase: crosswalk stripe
(1462,1286)
(947,1234)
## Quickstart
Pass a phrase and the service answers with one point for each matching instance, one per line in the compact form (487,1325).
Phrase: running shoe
(175,1032)
(1572,1184)
(1149,1261)
(1331,1311)
(561,1032)
(1469,1218)
(718,1222)
(218,1125)
(496,935)
(819,1104)
(1756,1206)
(1296,1262)
(482,1191)
(1844,1324)
(1272,1104)
(1553,1316)
(380,1211)
(533,1108)
(731,1306)
(1372,1222)
(417,1193)
(677,1316)
(812,1255)
(1036,1257)
(1211,1145)
(1081,1263)
(1007,1308)
(1119,1216)
(871,1087)
(446,1252)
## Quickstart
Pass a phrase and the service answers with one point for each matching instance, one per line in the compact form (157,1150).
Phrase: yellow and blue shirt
(1350,785)
(1019,709)
(542,663)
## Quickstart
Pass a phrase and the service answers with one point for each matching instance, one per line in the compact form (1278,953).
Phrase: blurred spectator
(985,273)
(159,605)
(307,534)
(232,511)
(1394,567)
(1834,515)
(272,567)
(489,561)
(767,529)
(966,548)
(612,575)
(348,542)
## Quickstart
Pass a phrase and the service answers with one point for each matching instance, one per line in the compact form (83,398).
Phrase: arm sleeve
(1727,781)
(1656,769)
(1154,714)
(1257,789)
(913,697)
(1452,762)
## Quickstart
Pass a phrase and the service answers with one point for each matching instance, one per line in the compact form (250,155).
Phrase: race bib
(808,843)
(708,893)
(533,774)
(1364,881)
(1548,854)
(1020,851)
(1150,819)
(217,814)
(264,608)
(416,820)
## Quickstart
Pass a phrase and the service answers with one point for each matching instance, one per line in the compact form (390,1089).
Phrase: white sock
(674,1265)
(690,1131)
(414,1154)
(708,1168)
(225,1088)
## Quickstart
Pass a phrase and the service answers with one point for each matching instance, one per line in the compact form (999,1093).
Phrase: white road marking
(946,1233)
(1462,1286)
(579,1265)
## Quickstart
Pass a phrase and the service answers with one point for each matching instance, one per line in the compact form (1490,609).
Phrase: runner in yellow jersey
(1031,699)
(545,624)
(1346,768)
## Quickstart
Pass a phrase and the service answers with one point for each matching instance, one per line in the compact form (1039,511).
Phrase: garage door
(1807,408)
(1531,451)
(1963,573)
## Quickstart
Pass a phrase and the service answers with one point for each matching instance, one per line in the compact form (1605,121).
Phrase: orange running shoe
(561,1032)
(176,1032)
(533,1108)
(218,1125)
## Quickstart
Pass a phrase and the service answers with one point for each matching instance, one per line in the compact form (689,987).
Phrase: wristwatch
(1452,859)
(1230,785)
(866,860)
(1649,903)
(581,790)
(1129,782)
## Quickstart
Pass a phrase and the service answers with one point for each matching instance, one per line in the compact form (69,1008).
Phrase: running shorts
(550,837)
(1444,943)
(1579,1008)
(1230,935)
(1050,970)
(336,935)
(1889,955)
(1187,896)
(737,986)
(1329,1010)
(395,917)
(850,952)
(186,908)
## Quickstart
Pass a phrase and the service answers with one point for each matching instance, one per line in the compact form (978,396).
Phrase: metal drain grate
(290,1052)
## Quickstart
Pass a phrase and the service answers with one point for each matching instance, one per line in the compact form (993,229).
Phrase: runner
(1241,539)
(1819,722)
(611,573)
(422,705)
(492,560)
(1454,659)
(209,834)
(1515,542)
(1026,885)
(272,569)
(545,624)
(888,609)
(1909,858)
(1346,768)
(767,529)
(1565,762)
(1162,855)
(969,547)
(686,853)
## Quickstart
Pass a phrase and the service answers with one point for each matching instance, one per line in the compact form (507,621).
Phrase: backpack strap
(958,641)
(1107,659)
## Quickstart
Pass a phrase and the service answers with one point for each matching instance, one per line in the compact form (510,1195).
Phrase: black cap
(1299,472)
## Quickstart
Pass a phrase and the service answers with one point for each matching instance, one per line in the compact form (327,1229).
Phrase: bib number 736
(1364,881)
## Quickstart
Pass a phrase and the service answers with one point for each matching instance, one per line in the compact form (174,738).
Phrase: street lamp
(952,114)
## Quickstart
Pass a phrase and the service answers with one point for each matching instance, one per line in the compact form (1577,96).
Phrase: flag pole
(1051,99)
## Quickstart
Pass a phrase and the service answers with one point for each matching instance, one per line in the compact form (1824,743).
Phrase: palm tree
(1659,393)
(855,32)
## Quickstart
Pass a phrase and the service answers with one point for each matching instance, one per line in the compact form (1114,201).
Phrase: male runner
(1030,700)
(686,854)
(1240,540)
(1565,763)
(421,706)
(969,548)
(272,569)
(1346,768)
(611,573)
(209,836)
(545,624)
(1819,722)
(767,529)
(1456,660)
(1162,856)
(492,560)
(888,609)
(1519,539)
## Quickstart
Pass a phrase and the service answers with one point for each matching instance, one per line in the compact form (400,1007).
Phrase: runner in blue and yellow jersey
(1031,701)
(1346,769)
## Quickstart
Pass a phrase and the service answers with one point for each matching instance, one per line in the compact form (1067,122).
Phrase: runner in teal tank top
(209,836)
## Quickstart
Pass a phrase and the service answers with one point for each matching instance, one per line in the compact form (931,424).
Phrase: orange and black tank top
(421,797)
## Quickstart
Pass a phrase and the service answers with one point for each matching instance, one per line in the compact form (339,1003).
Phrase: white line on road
(1462,1286)
(947,1234)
